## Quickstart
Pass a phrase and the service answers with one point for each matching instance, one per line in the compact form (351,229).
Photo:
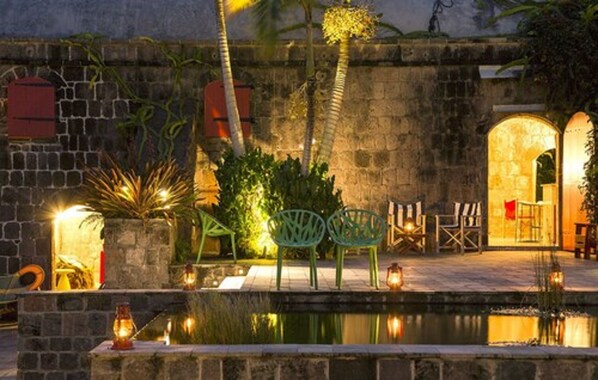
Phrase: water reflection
(399,328)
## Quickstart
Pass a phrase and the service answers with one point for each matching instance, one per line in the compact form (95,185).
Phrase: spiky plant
(161,190)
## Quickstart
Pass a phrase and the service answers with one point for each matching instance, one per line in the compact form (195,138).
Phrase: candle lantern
(409,225)
(556,278)
(189,277)
(394,276)
(394,327)
(123,328)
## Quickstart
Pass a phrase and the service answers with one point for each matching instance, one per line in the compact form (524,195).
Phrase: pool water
(438,327)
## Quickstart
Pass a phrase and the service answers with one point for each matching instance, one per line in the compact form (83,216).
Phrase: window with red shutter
(215,116)
(31,112)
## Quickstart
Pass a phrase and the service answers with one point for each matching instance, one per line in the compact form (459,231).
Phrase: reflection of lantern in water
(394,276)
(188,325)
(167,332)
(557,328)
(394,327)
(189,277)
(556,277)
(123,327)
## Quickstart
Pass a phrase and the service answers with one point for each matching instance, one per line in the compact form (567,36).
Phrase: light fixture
(123,327)
(394,277)
(409,225)
(556,278)
(189,277)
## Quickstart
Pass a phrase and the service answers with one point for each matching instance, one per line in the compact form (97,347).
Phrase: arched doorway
(522,186)
(574,158)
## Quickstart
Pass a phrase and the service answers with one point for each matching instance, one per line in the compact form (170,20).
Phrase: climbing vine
(136,127)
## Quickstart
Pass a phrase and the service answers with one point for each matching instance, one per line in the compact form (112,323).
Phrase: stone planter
(137,255)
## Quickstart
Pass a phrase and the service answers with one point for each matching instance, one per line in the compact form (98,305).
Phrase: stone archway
(514,145)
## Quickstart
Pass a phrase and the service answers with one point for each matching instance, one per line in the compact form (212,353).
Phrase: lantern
(394,327)
(394,276)
(189,277)
(123,327)
(556,278)
(409,225)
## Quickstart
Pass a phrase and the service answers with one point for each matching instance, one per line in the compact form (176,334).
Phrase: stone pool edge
(331,362)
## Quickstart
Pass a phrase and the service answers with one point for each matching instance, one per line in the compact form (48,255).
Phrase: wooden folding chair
(406,227)
(462,229)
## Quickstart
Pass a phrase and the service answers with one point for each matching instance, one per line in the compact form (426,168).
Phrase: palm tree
(341,22)
(267,14)
(234,121)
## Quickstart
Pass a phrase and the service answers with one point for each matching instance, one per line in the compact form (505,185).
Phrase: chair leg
(279,267)
(232,241)
(373,253)
(203,240)
(340,253)
(371,266)
(314,269)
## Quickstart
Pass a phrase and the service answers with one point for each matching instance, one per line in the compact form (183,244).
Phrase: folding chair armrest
(477,222)
(445,216)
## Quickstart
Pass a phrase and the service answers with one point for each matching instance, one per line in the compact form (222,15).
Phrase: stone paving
(489,272)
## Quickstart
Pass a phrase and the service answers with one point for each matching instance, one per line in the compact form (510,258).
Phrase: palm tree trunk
(310,74)
(234,121)
(336,101)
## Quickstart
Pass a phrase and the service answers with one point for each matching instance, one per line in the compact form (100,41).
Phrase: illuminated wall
(574,158)
(513,146)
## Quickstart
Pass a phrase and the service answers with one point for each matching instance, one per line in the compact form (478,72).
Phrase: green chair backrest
(296,228)
(212,227)
(9,286)
(354,228)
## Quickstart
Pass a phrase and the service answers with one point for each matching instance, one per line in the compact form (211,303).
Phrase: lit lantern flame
(394,327)
(189,277)
(215,283)
(556,278)
(123,327)
(394,277)
(409,225)
(188,325)
(240,271)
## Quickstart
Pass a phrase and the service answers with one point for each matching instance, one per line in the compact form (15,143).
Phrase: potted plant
(140,209)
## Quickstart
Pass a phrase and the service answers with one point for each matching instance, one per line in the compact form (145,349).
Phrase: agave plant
(161,190)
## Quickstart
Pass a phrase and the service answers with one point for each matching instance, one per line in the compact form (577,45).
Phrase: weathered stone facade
(138,253)
(414,123)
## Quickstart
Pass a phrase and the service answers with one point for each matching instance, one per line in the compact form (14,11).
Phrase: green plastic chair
(297,229)
(356,229)
(212,227)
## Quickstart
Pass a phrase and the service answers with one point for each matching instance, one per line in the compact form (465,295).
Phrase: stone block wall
(138,254)
(153,360)
(414,123)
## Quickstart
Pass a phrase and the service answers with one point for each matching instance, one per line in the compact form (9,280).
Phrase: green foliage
(590,183)
(255,186)
(230,319)
(161,190)
(314,192)
(545,171)
(549,299)
(137,123)
(244,185)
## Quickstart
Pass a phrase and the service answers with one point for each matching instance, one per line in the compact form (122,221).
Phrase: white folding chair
(406,227)
(462,229)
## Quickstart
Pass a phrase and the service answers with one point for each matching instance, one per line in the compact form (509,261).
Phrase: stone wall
(414,123)
(138,253)
(153,360)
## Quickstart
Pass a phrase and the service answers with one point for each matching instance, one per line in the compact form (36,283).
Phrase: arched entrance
(574,158)
(522,186)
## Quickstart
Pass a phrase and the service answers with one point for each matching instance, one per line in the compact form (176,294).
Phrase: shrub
(314,192)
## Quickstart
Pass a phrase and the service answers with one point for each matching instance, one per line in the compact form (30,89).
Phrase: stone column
(137,254)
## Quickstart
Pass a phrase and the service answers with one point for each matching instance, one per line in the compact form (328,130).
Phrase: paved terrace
(492,271)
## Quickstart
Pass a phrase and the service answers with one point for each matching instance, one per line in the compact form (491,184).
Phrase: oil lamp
(409,225)
(556,278)
(123,327)
(394,276)
(189,277)
(394,327)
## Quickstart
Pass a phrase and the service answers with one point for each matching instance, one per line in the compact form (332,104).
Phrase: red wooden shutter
(31,112)
(215,117)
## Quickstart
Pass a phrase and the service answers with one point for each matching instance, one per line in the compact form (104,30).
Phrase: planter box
(137,254)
